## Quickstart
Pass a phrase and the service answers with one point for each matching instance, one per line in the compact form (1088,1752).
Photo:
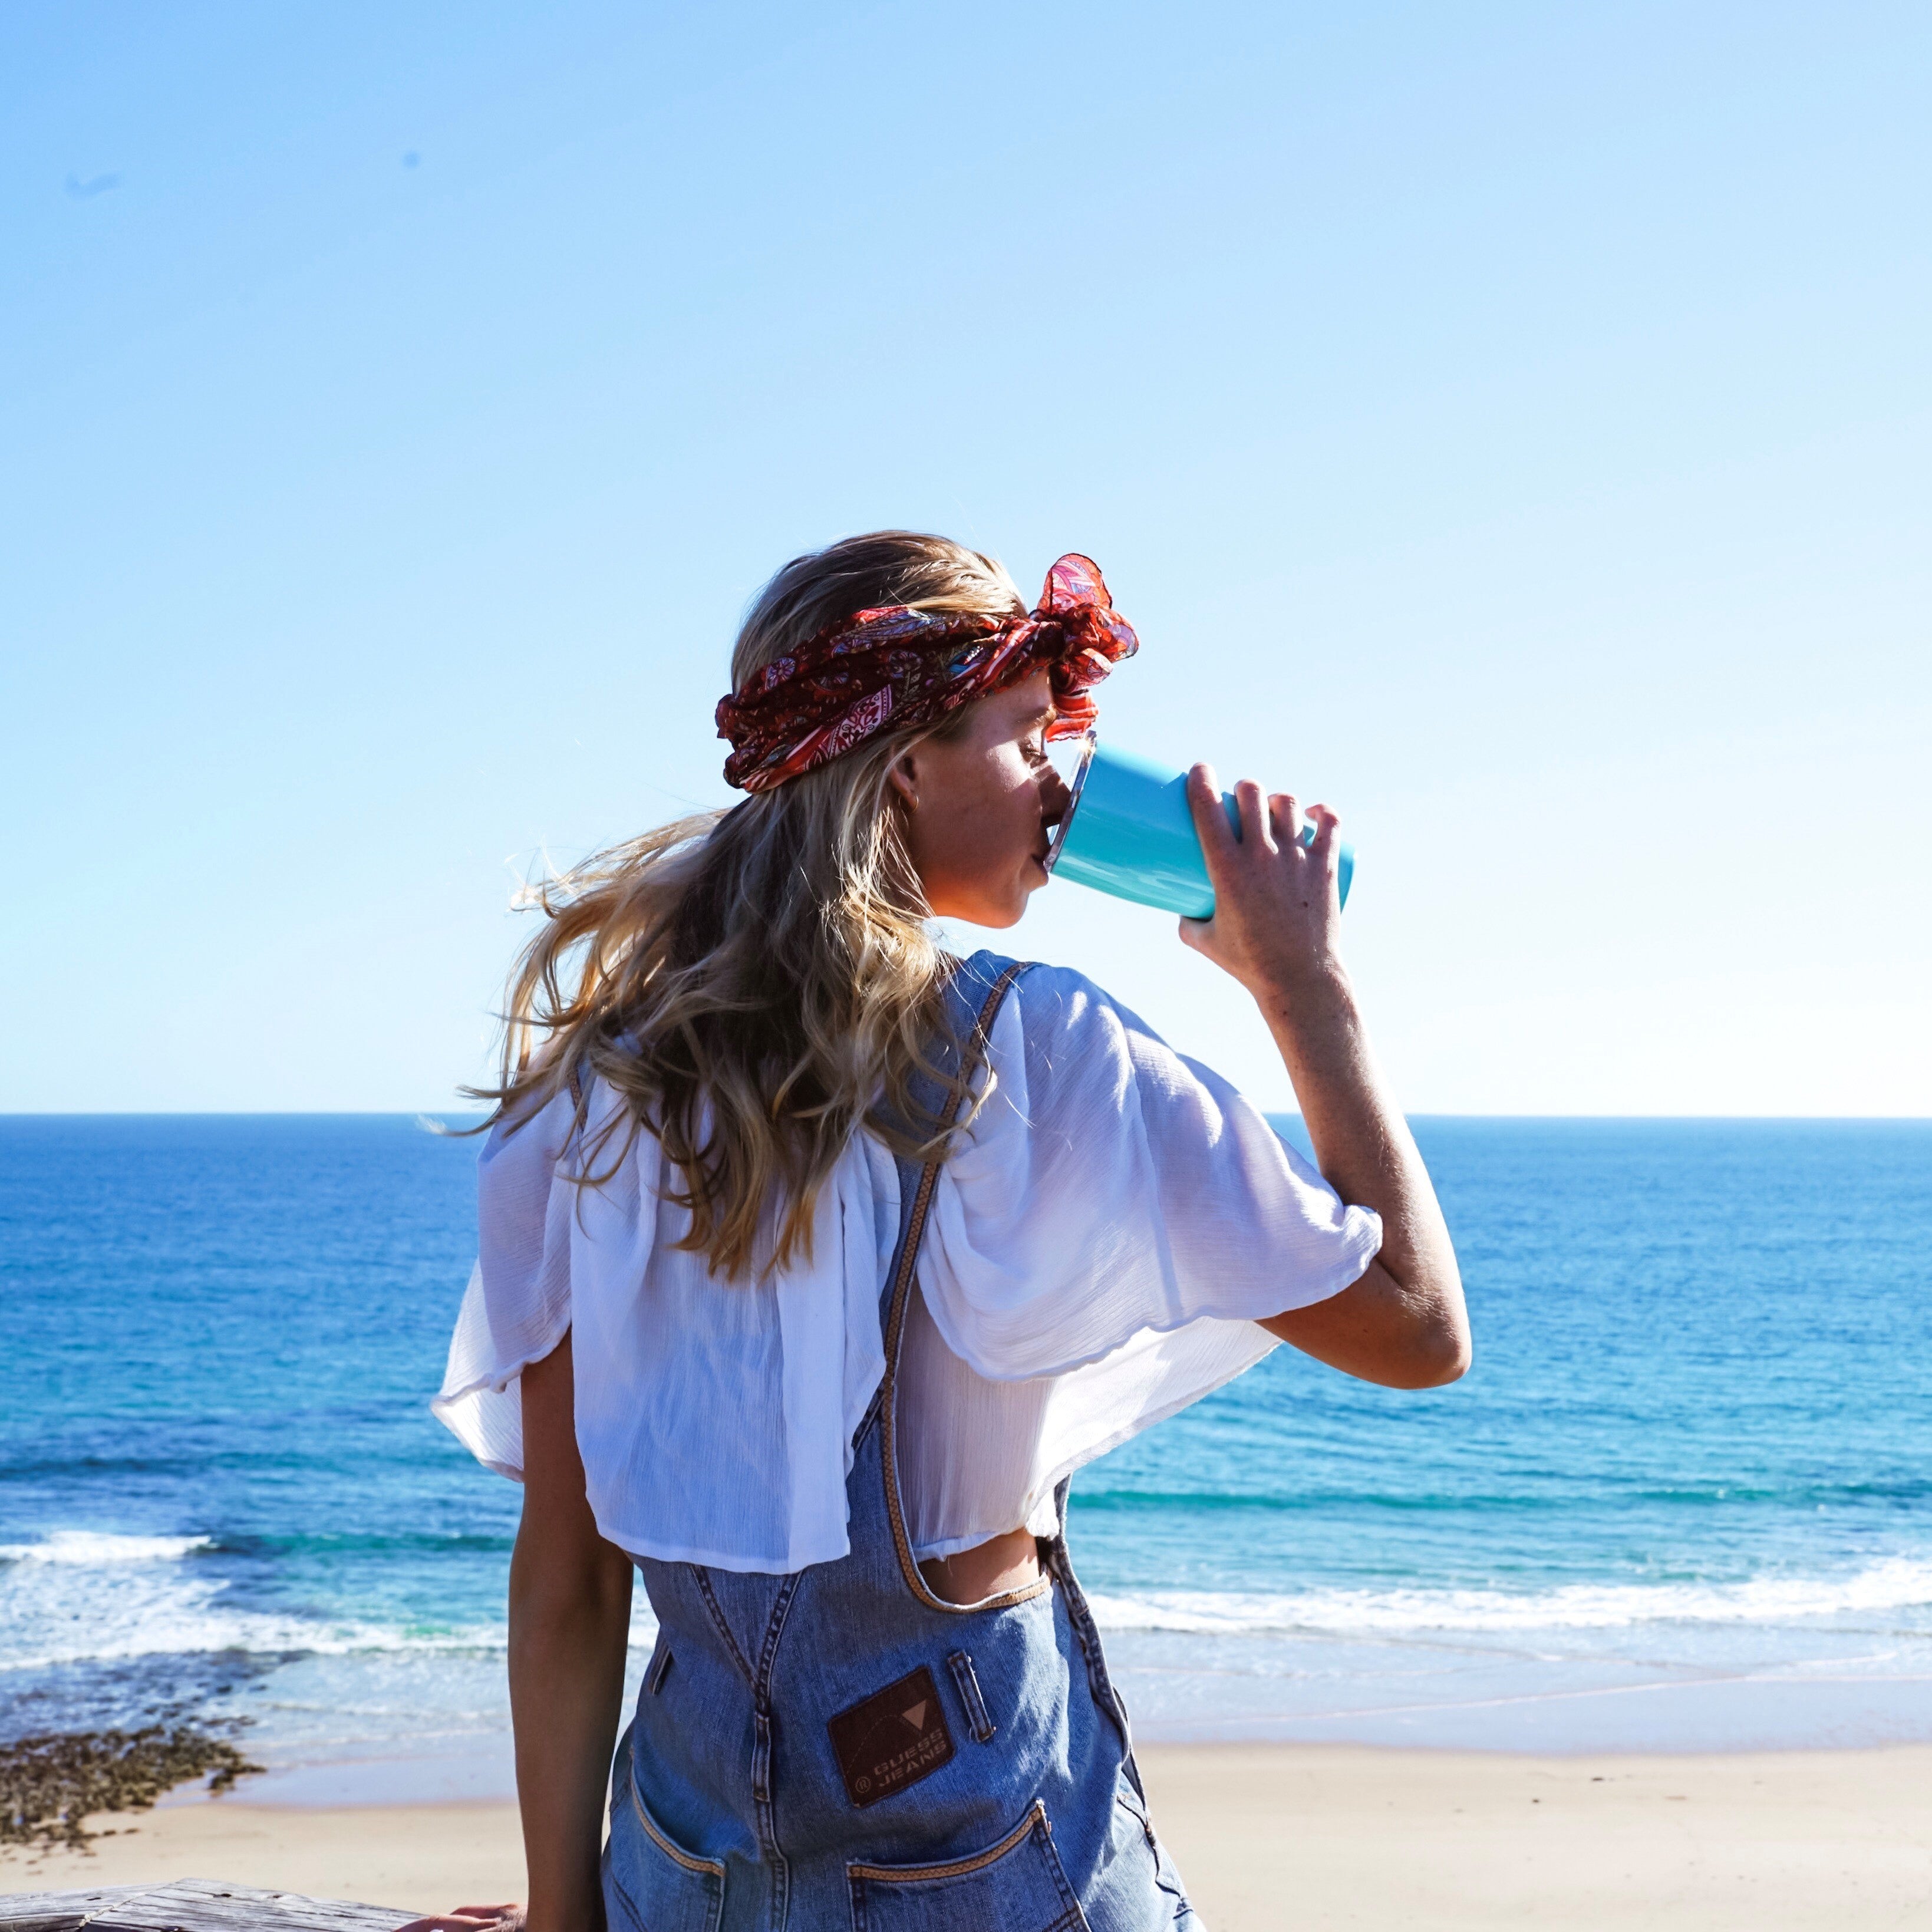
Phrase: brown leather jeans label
(891,1740)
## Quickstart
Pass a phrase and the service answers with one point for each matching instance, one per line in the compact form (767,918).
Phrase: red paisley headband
(902,667)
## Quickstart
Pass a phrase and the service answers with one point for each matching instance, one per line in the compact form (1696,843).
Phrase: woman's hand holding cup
(1277,922)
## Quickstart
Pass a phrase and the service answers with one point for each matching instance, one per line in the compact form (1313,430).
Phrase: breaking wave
(1897,1583)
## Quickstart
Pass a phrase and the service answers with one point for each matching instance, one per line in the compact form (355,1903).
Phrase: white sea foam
(54,1611)
(1897,1583)
(92,1548)
(55,1608)
(160,1627)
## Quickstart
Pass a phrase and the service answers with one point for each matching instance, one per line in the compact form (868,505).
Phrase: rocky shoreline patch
(50,1785)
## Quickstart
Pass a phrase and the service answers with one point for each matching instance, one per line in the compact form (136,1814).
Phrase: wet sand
(1267,1837)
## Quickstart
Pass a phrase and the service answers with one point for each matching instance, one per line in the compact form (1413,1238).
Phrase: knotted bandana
(907,667)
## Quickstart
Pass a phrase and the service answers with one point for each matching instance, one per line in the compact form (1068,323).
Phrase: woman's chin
(1008,912)
(1004,917)
(991,908)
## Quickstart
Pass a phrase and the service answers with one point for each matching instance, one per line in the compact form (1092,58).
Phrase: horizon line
(431,1113)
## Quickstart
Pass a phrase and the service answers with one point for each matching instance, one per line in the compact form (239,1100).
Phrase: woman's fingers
(1286,814)
(1210,822)
(470,1918)
(1275,898)
(1257,834)
(1270,822)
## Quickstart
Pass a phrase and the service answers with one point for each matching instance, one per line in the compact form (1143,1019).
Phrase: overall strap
(997,982)
(992,979)
(973,998)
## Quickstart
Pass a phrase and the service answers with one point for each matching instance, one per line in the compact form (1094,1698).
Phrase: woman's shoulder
(1066,1028)
(1066,1045)
(537,1118)
(517,1161)
(1062,1002)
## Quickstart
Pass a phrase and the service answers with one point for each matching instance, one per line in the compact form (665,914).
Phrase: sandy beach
(1268,1836)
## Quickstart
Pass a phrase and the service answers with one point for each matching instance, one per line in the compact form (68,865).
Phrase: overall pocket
(1016,1886)
(651,1883)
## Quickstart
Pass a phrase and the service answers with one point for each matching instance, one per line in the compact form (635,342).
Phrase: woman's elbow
(1416,1366)
(1438,1347)
(1427,1344)
(565,1576)
(1383,1331)
(1441,1357)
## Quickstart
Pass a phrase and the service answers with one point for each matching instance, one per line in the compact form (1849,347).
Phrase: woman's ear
(904,778)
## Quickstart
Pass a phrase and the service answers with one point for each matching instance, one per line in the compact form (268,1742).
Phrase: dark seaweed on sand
(49,1784)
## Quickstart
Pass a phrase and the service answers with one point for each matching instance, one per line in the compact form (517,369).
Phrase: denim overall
(840,1748)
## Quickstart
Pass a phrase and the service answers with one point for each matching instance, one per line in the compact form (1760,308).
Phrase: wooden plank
(56,1911)
(191,1905)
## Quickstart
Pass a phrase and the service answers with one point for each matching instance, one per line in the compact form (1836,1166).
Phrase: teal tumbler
(1129,831)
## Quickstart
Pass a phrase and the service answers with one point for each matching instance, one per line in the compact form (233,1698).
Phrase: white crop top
(1095,1259)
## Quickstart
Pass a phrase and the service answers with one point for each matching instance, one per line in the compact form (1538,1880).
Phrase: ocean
(1682,1501)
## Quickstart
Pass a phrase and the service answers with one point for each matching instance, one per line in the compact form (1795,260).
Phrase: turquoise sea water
(1684,1498)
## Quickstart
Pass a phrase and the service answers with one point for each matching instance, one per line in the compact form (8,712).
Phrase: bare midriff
(989,1569)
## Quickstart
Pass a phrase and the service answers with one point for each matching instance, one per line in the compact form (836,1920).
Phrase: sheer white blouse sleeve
(517,1305)
(1097,1259)
(1112,1185)
(1097,1256)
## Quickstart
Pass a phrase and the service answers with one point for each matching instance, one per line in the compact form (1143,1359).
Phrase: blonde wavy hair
(759,983)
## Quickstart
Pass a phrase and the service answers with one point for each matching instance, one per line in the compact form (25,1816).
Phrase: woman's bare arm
(570,1621)
(1276,927)
(570,1624)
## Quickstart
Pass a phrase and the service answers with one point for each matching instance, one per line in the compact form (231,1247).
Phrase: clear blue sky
(1513,423)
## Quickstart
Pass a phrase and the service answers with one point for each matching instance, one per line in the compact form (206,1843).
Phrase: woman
(813,1261)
